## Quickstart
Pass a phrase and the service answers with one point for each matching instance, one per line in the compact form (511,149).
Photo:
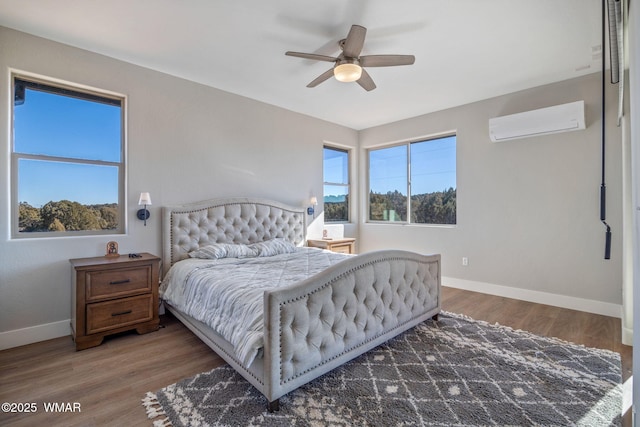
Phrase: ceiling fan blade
(322,77)
(312,56)
(366,81)
(354,41)
(386,60)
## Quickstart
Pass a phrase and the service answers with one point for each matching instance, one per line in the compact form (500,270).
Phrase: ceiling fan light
(347,72)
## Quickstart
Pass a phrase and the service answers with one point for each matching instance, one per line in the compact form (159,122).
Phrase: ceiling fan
(349,65)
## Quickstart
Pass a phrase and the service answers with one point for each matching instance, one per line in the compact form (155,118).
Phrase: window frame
(407,143)
(65,88)
(347,185)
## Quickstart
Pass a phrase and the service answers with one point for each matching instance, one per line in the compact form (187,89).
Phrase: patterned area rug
(455,371)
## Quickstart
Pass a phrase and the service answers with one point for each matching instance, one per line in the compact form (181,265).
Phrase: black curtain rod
(603,186)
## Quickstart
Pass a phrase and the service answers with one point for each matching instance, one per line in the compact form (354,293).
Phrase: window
(418,178)
(336,185)
(67,161)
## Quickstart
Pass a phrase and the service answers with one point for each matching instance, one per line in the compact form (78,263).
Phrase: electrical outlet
(465,261)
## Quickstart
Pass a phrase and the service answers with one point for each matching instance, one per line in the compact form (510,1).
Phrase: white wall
(186,142)
(528,214)
(634,114)
(528,210)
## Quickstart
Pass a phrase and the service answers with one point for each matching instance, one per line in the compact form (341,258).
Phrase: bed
(312,325)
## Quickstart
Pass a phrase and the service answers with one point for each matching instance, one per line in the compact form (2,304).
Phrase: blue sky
(433,167)
(61,126)
(42,182)
(67,127)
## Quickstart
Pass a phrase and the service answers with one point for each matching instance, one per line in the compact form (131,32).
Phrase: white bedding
(227,294)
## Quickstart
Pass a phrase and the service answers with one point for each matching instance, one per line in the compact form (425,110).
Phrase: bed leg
(273,406)
(435,317)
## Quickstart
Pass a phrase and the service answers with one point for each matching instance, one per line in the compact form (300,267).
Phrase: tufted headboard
(235,220)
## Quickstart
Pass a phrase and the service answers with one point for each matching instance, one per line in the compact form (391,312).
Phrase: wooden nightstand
(111,295)
(343,246)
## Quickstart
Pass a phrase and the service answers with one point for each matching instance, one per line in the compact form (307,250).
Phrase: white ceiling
(466,50)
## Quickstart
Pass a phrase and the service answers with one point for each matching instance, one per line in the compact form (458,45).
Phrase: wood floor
(109,381)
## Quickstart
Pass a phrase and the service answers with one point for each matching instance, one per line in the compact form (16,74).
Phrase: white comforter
(227,294)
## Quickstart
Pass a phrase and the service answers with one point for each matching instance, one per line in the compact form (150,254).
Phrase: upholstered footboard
(347,310)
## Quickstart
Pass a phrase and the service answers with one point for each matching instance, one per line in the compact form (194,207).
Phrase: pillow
(214,251)
(224,250)
(273,247)
(240,251)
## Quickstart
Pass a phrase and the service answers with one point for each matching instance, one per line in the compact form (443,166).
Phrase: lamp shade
(347,72)
(314,200)
(145,199)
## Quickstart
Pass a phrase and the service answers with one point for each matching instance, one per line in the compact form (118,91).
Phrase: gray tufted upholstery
(188,227)
(352,307)
(322,322)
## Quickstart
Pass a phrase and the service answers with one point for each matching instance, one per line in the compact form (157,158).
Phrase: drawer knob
(121,313)
(119,282)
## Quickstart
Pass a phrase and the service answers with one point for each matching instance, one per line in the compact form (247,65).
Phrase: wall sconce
(311,209)
(143,214)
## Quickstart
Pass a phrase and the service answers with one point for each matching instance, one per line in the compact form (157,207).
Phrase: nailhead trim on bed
(395,311)
(234,222)
(363,305)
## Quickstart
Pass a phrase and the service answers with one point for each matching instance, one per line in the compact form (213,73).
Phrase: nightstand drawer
(117,282)
(345,245)
(341,249)
(102,316)
(111,295)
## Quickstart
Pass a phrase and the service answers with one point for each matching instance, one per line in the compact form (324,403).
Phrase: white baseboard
(49,331)
(32,334)
(573,303)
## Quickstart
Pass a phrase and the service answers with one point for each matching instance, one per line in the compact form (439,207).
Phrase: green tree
(434,208)
(336,211)
(28,217)
(109,213)
(56,225)
(438,207)
(72,215)
(388,207)
(65,215)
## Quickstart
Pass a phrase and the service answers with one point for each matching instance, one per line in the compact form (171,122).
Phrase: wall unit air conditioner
(559,118)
